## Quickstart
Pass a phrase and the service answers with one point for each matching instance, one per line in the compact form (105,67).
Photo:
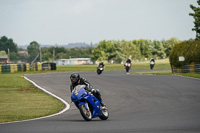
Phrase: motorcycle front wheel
(127,69)
(99,71)
(105,114)
(86,113)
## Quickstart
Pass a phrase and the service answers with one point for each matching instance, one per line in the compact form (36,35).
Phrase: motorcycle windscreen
(78,88)
(77,92)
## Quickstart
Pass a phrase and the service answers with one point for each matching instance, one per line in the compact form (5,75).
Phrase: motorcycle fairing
(80,96)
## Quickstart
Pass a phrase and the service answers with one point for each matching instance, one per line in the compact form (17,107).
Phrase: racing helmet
(74,77)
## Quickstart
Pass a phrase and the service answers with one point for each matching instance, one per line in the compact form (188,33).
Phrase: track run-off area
(136,103)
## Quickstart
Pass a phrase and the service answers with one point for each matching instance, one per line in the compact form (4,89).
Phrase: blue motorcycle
(88,104)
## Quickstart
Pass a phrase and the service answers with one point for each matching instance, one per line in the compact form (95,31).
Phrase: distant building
(73,61)
(23,52)
(3,59)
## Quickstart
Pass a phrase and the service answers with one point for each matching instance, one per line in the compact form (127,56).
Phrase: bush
(190,50)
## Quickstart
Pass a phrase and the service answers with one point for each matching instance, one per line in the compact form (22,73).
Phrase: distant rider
(101,64)
(128,62)
(152,63)
(77,80)
(127,65)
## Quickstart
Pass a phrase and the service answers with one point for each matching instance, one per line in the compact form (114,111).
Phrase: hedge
(190,50)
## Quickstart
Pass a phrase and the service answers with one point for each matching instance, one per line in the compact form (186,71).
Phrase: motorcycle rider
(128,60)
(77,80)
(127,65)
(152,63)
(101,64)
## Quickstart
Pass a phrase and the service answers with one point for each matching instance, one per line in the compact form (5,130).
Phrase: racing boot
(103,106)
(97,94)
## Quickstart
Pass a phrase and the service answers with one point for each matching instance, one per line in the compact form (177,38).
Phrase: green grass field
(20,100)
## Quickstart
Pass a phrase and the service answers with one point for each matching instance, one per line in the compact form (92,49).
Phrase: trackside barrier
(39,66)
(19,67)
(191,68)
(49,66)
(46,66)
(5,68)
(32,67)
(35,67)
(27,66)
(11,68)
(197,68)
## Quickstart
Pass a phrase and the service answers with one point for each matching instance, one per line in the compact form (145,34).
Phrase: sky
(90,21)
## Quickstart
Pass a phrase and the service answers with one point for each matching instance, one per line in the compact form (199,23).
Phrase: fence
(11,68)
(191,68)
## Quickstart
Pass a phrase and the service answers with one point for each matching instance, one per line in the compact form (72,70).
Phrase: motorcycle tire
(86,114)
(99,71)
(105,114)
(127,69)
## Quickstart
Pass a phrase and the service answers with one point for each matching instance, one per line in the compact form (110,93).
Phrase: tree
(118,55)
(159,49)
(144,47)
(6,44)
(130,49)
(2,53)
(9,46)
(103,51)
(196,16)
(23,57)
(169,44)
(33,50)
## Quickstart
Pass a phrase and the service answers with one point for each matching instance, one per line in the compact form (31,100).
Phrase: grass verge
(193,75)
(161,72)
(20,100)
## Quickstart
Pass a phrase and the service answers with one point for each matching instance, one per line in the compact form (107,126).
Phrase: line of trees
(111,50)
(8,47)
(116,51)
(138,49)
(53,53)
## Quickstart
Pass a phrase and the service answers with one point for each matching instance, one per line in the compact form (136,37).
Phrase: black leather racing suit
(101,64)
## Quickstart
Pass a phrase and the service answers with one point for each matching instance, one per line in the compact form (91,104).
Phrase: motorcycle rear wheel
(86,113)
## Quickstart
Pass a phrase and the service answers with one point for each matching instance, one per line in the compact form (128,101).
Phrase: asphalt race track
(137,104)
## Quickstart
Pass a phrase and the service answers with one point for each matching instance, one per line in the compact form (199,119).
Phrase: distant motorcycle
(127,67)
(88,105)
(152,63)
(100,69)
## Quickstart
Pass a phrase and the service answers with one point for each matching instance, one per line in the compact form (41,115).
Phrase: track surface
(137,103)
